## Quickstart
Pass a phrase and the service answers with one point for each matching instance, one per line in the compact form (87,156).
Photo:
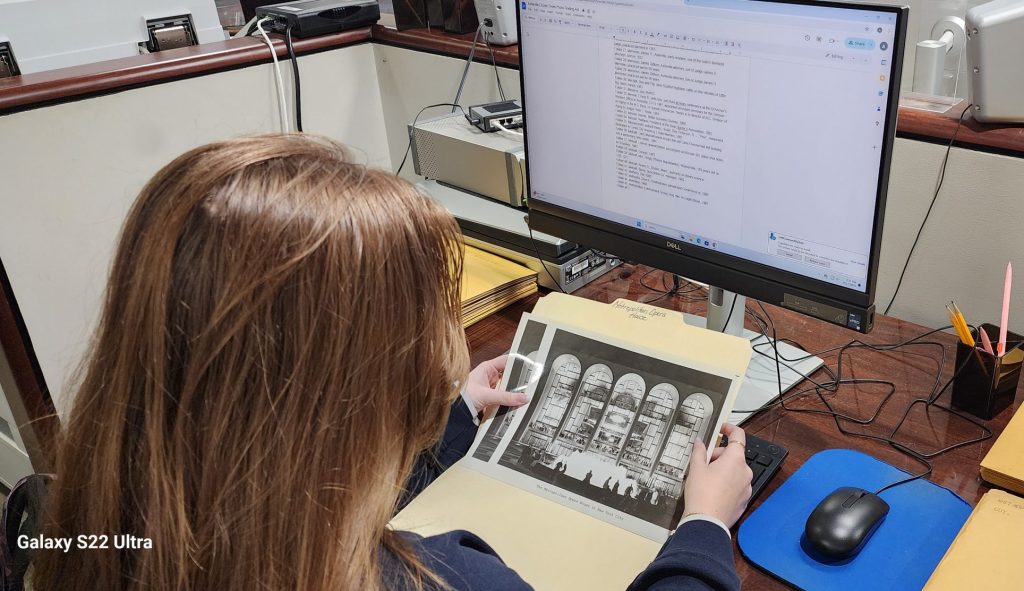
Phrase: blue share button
(859,43)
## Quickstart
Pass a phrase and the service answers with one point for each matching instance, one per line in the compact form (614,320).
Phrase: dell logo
(673,245)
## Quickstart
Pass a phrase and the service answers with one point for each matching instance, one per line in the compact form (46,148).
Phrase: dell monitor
(742,143)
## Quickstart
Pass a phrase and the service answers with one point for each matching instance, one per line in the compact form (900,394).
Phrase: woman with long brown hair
(279,345)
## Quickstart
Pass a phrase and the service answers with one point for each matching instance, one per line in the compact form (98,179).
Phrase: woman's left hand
(482,386)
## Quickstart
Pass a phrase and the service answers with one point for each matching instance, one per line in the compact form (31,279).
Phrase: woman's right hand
(721,488)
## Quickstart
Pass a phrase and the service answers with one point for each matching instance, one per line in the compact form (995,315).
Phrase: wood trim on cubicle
(940,127)
(36,90)
(32,91)
(439,42)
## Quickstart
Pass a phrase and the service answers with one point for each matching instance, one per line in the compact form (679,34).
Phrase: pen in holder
(987,384)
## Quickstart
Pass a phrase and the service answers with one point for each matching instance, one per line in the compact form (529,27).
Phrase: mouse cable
(837,380)
(938,187)
(930,400)
(842,349)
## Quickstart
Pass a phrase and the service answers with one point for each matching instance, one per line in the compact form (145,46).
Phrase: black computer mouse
(841,523)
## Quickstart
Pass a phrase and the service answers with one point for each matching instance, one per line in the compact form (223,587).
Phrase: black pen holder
(986,384)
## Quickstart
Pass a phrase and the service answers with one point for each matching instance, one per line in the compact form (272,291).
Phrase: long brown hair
(280,338)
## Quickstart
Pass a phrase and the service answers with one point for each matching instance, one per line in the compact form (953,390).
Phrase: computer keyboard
(764,458)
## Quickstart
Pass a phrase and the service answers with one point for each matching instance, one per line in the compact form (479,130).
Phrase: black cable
(675,291)
(465,70)
(295,72)
(938,187)
(662,291)
(836,375)
(837,417)
(735,297)
(926,473)
(408,147)
(501,91)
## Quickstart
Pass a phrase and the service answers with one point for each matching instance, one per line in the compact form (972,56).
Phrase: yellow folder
(1004,463)
(489,283)
(986,554)
(551,546)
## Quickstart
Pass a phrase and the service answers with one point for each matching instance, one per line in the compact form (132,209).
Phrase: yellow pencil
(966,335)
(960,327)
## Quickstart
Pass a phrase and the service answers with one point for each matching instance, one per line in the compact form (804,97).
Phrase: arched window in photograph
(578,428)
(554,399)
(651,427)
(690,423)
(618,417)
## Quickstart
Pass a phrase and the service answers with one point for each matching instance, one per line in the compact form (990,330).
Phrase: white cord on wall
(281,103)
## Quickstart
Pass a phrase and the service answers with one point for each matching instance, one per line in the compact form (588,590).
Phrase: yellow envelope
(986,552)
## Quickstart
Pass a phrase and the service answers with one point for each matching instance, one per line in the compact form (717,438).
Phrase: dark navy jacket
(697,557)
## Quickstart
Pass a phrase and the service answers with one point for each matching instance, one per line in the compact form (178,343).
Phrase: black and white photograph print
(524,366)
(615,426)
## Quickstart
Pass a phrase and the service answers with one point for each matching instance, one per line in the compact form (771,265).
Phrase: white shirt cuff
(703,517)
(472,407)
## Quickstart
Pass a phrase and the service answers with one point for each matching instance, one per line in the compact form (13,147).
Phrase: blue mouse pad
(923,519)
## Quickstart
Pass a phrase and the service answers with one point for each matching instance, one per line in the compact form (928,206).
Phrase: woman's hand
(720,489)
(481,387)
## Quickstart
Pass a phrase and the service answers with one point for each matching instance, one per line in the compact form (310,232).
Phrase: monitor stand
(761,385)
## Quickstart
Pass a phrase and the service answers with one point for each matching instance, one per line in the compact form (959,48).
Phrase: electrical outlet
(171,32)
(8,65)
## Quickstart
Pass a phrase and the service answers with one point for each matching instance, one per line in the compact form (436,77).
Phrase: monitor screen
(751,133)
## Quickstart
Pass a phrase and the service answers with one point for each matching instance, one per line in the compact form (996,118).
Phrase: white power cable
(246,29)
(505,129)
(281,102)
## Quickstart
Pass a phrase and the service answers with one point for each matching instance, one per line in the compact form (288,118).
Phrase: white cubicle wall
(71,171)
(974,229)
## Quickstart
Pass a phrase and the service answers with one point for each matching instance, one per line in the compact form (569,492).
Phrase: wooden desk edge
(44,88)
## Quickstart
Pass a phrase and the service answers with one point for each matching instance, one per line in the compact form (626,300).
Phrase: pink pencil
(1001,345)
(985,343)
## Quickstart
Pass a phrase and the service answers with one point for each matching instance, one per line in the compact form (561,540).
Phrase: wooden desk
(804,434)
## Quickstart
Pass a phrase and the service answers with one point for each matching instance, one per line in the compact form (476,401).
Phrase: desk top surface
(911,369)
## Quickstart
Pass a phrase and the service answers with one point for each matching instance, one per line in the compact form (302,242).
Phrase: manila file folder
(1004,463)
(986,552)
(551,546)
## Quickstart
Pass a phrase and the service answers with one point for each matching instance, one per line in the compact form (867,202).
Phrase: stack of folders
(986,554)
(489,283)
(1004,464)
